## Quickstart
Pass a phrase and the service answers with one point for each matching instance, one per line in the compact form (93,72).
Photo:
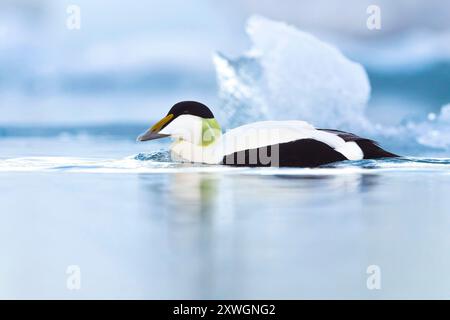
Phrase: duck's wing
(297,143)
(266,133)
(370,148)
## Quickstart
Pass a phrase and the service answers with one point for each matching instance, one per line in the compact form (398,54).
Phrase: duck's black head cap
(191,107)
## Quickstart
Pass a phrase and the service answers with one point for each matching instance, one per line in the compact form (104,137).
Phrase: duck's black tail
(372,150)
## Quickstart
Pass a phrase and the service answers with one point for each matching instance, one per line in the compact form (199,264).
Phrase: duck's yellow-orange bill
(153,132)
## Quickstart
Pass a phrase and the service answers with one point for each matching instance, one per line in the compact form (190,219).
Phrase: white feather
(250,136)
(351,151)
(266,133)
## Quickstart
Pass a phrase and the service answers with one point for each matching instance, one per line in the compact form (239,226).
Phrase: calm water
(155,229)
(76,190)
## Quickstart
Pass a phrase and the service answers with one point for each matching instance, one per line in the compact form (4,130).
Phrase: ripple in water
(399,163)
(160,162)
(158,156)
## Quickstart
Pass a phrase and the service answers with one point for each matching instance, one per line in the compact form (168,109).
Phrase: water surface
(140,226)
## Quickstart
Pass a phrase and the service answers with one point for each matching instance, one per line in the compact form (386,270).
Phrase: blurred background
(72,102)
(130,62)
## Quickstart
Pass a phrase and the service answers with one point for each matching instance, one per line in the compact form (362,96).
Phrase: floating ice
(435,132)
(290,74)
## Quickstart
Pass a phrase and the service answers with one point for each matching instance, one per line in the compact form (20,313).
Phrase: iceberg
(290,74)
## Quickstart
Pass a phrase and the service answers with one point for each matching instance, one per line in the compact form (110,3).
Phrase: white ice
(288,73)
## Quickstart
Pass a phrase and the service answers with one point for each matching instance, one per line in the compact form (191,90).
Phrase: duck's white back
(266,133)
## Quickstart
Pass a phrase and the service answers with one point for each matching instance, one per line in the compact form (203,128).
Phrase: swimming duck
(197,137)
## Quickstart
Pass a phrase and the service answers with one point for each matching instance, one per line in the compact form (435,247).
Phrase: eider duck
(198,138)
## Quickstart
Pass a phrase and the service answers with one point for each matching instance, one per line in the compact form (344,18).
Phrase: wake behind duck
(198,138)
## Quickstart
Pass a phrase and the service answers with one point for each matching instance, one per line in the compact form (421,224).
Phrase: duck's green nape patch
(211,131)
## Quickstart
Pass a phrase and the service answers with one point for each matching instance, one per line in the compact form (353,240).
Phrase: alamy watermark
(73,281)
(73,21)
(254,146)
(374,279)
(374,19)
